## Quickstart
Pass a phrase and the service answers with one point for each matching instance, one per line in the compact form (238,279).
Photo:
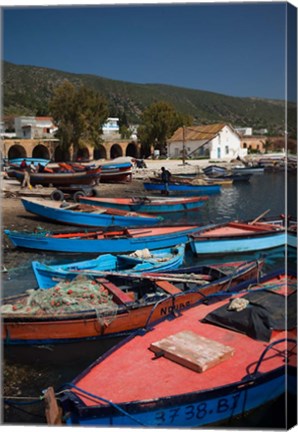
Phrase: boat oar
(199,278)
(259,217)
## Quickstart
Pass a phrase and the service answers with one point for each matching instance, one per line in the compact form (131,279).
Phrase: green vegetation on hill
(28,89)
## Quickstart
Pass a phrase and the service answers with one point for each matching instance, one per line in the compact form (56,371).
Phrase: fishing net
(79,295)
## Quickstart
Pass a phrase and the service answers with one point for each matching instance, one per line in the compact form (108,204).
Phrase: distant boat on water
(183,188)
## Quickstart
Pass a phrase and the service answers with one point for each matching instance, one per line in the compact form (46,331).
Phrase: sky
(235,49)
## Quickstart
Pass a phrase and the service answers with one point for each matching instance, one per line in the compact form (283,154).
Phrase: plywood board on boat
(192,350)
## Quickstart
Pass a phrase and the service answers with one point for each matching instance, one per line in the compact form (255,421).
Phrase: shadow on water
(35,368)
(30,369)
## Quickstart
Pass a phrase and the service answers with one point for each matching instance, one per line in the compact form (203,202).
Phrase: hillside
(27,90)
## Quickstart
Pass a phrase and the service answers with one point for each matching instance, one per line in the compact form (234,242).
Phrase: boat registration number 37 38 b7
(193,412)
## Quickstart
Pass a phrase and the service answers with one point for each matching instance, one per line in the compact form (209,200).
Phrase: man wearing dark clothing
(165,178)
(23,164)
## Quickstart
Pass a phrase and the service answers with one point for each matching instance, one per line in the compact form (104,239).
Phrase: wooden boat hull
(116,173)
(87,325)
(162,260)
(148,205)
(186,411)
(257,373)
(183,188)
(99,242)
(249,170)
(215,170)
(61,179)
(92,216)
(243,241)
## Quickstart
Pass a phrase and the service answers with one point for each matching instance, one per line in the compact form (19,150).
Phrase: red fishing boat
(205,366)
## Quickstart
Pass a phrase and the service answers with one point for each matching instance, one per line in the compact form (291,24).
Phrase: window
(227,149)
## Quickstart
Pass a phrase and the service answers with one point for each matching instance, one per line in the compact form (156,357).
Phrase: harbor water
(38,367)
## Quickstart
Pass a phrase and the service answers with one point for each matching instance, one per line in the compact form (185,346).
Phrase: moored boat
(248,170)
(237,237)
(88,308)
(86,215)
(36,161)
(115,172)
(163,260)
(215,170)
(148,204)
(86,177)
(183,188)
(206,366)
(103,241)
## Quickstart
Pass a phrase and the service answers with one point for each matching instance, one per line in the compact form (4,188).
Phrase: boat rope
(117,407)
(33,398)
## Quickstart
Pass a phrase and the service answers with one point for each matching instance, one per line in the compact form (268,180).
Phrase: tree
(158,123)
(267,144)
(79,114)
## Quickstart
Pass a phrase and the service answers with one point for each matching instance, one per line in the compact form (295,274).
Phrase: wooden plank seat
(167,287)
(119,296)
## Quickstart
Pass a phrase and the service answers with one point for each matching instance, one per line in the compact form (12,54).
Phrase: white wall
(226,145)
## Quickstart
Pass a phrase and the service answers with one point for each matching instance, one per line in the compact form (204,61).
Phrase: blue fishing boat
(36,161)
(183,188)
(210,363)
(103,241)
(86,215)
(162,260)
(148,204)
(237,237)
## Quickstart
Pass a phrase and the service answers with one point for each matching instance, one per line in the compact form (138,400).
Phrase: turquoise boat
(183,188)
(237,237)
(103,241)
(85,215)
(162,260)
(36,161)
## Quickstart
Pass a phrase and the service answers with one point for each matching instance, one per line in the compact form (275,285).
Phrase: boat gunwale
(247,267)
(150,405)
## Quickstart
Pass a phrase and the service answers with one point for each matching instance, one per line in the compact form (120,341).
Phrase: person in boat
(165,178)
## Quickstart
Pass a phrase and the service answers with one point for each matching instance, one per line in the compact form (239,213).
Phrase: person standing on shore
(165,178)
(26,179)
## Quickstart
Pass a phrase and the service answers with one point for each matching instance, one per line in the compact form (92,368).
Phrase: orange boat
(128,303)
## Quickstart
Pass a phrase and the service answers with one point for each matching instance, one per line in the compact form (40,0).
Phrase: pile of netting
(79,295)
